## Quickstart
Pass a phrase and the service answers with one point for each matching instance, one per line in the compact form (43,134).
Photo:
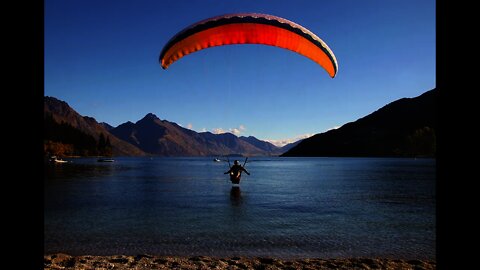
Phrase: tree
(101,143)
(422,142)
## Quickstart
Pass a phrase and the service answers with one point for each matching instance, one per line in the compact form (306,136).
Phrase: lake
(287,207)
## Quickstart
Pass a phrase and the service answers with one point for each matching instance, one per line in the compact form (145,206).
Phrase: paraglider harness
(236,175)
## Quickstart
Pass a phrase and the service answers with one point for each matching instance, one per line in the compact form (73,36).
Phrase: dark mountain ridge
(161,137)
(148,136)
(61,113)
(405,127)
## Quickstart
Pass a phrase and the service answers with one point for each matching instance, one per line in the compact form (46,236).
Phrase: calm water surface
(287,207)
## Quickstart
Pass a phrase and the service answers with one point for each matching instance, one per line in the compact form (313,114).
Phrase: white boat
(55,159)
(216,160)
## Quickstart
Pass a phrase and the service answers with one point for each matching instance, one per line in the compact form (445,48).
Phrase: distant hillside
(61,139)
(289,146)
(266,146)
(70,133)
(106,126)
(403,128)
(67,132)
(161,137)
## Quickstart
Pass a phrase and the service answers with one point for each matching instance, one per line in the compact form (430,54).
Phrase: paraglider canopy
(249,28)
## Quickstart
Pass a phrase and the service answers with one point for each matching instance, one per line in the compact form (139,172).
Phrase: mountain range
(153,136)
(404,128)
(161,137)
(61,112)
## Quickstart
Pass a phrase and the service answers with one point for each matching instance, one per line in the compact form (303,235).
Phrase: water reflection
(236,196)
(69,171)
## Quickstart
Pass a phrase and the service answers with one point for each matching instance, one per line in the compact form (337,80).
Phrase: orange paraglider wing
(249,28)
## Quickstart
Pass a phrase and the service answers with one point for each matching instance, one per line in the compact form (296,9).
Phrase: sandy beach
(64,261)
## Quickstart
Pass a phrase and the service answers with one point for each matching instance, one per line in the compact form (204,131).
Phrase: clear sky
(101,57)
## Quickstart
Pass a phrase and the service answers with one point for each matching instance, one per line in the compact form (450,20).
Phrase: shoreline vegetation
(65,261)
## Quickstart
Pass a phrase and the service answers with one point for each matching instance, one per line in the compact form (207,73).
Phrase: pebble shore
(140,262)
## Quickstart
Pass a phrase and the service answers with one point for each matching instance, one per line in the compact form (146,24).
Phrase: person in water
(236,172)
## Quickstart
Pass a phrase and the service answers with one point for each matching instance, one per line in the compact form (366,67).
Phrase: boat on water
(105,160)
(55,159)
(216,160)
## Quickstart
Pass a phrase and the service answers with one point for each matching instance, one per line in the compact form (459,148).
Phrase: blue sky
(101,57)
